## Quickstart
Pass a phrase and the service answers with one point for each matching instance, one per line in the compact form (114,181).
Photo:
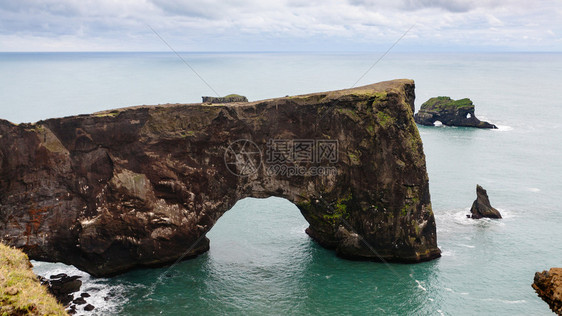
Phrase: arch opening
(259,252)
(268,228)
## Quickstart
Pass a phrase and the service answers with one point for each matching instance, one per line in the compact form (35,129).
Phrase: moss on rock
(443,103)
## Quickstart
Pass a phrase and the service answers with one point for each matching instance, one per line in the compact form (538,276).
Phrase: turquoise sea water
(261,261)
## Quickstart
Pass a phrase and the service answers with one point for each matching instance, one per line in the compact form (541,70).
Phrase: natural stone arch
(449,112)
(141,186)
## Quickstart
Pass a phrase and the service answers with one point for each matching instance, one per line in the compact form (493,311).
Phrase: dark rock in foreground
(548,285)
(61,286)
(65,285)
(481,206)
(226,99)
(449,112)
(142,186)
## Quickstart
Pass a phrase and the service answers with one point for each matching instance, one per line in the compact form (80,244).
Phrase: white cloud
(278,24)
(493,21)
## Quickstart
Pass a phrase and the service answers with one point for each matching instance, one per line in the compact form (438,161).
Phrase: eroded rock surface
(142,186)
(548,285)
(449,112)
(481,207)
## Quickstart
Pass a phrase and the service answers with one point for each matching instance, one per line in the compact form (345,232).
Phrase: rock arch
(449,112)
(141,186)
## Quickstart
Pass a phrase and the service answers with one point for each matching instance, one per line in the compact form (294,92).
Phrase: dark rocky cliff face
(141,186)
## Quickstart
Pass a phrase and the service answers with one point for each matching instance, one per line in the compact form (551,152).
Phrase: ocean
(261,262)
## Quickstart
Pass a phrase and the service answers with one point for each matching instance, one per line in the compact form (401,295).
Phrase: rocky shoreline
(63,287)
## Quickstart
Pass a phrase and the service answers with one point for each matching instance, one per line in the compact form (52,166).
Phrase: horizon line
(284,51)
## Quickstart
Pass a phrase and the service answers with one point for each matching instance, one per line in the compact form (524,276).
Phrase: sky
(281,25)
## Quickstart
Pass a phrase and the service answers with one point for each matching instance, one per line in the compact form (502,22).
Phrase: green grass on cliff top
(20,290)
(443,103)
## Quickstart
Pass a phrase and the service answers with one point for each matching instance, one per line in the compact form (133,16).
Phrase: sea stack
(481,206)
(449,112)
(548,285)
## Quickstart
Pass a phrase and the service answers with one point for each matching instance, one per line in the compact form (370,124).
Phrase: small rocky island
(548,285)
(449,112)
(482,207)
(142,186)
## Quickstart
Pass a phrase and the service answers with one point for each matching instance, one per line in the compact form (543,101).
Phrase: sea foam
(104,297)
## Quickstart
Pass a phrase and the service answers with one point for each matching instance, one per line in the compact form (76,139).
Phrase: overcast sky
(280,25)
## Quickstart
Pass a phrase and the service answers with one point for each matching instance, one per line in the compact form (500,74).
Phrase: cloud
(212,9)
(449,5)
(279,24)
(413,5)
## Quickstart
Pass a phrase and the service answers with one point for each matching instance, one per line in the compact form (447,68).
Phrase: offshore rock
(141,186)
(449,112)
(481,206)
(548,285)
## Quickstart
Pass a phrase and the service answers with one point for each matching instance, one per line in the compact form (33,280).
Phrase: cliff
(21,293)
(449,112)
(141,186)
